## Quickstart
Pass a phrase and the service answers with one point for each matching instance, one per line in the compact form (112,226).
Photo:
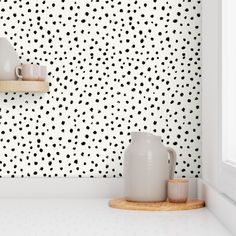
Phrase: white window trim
(227,170)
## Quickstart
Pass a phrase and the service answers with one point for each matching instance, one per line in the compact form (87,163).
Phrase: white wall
(210,90)
(114,67)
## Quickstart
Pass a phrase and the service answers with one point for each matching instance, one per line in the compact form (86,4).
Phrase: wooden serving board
(121,203)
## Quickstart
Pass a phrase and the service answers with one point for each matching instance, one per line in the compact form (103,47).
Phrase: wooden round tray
(121,203)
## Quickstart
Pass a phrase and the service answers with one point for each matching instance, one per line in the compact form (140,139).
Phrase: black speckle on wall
(114,67)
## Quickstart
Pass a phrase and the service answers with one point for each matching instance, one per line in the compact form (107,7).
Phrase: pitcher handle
(172,165)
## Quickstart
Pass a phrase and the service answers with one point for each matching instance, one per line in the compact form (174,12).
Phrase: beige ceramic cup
(178,190)
(42,73)
(27,72)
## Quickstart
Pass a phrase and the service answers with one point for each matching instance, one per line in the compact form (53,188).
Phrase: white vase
(146,168)
(8,60)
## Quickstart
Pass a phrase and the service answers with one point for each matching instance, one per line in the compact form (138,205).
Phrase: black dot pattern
(114,67)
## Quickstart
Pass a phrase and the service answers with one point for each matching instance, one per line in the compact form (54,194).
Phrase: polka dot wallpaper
(114,67)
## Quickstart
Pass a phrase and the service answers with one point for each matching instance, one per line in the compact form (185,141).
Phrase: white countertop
(94,217)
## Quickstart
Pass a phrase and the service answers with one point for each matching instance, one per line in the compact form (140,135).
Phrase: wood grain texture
(121,203)
(24,86)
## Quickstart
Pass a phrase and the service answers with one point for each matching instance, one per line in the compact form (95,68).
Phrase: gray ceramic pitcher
(146,168)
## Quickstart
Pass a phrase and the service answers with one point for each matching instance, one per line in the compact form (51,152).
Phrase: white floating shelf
(24,86)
